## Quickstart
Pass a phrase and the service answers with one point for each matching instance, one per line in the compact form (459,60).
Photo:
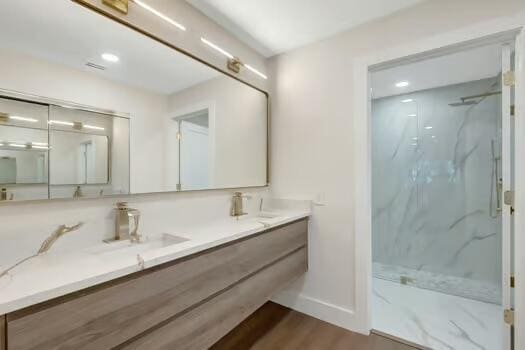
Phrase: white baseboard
(322,310)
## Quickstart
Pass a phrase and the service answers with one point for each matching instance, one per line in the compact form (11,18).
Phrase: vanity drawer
(206,324)
(105,316)
(3,339)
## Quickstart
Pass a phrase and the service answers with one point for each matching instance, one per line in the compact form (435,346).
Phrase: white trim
(210,106)
(506,171)
(519,217)
(319,309)
(362,144)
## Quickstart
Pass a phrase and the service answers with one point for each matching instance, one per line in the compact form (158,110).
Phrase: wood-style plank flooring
(274,327)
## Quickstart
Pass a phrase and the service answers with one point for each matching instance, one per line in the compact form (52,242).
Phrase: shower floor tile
(435,320)
(463,287)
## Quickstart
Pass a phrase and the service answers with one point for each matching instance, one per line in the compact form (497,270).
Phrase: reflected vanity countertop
(53,275)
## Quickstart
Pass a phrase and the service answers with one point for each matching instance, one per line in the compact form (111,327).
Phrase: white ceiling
(66,33)
(469,65)
(276,26)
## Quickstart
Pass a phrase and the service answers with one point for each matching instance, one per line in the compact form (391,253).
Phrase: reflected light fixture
(428,127)
(159,14)
(110,57)
(60,122)
(412,115)
(402,84)
(92,127)
(407,100)
(23,119)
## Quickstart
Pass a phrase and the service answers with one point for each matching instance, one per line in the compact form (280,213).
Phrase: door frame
(483,33)
(181,112)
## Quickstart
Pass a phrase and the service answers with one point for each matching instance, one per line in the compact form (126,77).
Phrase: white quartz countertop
(52,275)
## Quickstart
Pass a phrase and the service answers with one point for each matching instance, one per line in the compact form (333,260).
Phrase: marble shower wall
(432,173)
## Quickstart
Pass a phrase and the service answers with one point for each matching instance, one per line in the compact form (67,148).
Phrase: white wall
(312,148)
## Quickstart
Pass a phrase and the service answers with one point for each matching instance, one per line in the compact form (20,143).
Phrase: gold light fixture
(234,63)
(119,5)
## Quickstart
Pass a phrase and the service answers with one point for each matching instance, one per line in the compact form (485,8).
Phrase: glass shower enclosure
(436,193)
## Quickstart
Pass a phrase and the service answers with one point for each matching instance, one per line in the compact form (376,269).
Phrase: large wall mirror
(89,107)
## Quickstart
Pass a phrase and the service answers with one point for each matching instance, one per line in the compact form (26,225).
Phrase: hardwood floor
(274,327)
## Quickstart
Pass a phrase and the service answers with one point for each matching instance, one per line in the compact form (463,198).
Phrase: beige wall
(311,149)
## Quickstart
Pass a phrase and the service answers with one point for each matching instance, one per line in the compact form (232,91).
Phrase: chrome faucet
(236,208)
(122,224)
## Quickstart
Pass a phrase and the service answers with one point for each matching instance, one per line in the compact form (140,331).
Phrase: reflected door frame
(360,318)
(179,114)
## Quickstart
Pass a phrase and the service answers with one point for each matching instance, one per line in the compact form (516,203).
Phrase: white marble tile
(435,320)
(432,172)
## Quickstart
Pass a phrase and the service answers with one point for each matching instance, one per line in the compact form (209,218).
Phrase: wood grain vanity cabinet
(189,303)
(3,339)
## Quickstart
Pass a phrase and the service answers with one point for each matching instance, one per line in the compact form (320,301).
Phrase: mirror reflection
(110,111)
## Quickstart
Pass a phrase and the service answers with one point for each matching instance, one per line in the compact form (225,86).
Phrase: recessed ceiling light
(412,115)
(402,84)
(428,127)
(110,57)
(407,100)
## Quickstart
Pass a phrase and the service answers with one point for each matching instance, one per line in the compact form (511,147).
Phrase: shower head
(473,100)
(463,103)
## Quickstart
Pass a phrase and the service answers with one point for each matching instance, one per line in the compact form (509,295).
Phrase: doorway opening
(441,160)
(193,135)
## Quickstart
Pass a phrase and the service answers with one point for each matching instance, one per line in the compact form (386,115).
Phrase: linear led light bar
(23,119)
(217,48)
(159,14)
(92,127)
(255,71)
(60,122)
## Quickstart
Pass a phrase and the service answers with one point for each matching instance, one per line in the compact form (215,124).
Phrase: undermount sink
(151,243)
(267,215)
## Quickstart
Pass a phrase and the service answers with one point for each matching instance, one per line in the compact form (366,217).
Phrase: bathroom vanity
(184,296)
